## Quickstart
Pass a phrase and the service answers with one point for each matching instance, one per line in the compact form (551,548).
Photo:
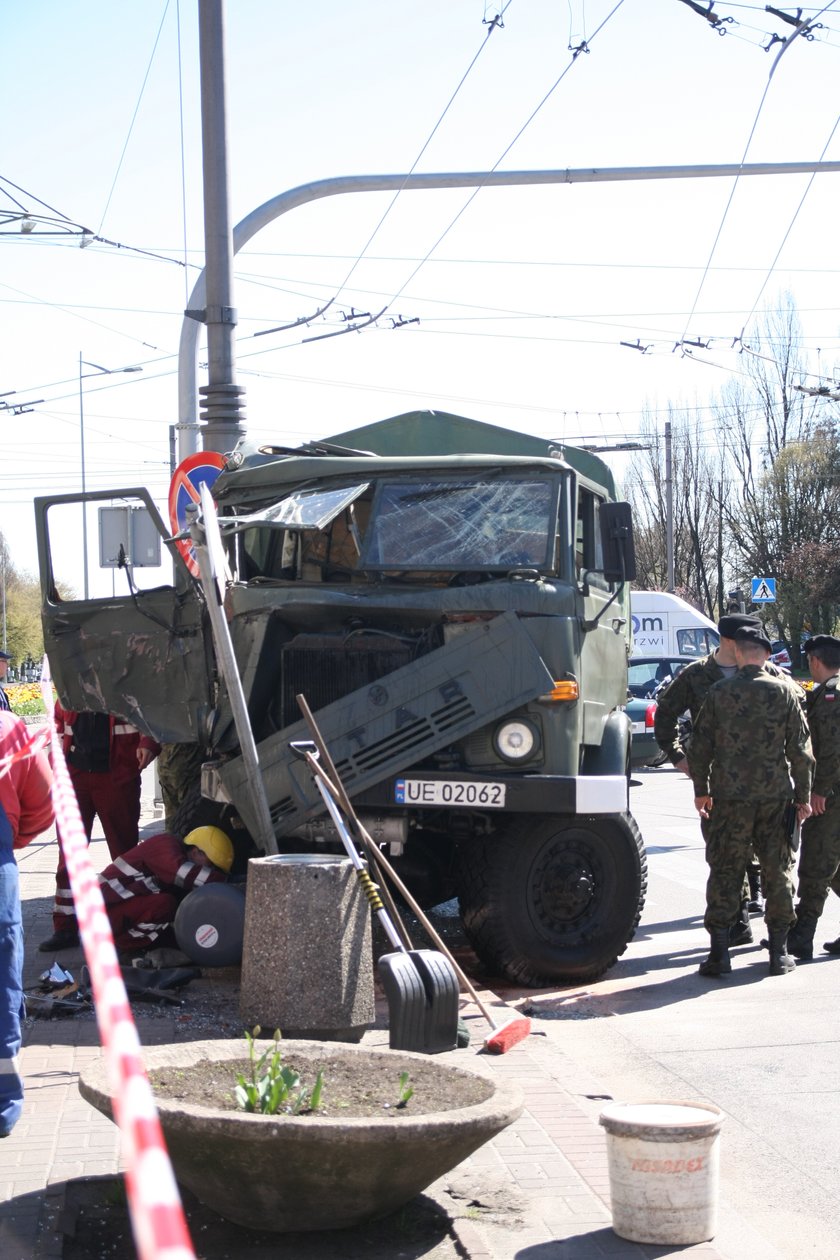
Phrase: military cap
(729,625)
(753,635)
(821,641)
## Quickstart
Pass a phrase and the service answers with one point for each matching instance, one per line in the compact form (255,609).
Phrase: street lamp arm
(339,185)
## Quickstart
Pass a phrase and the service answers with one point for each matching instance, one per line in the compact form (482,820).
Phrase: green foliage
(24,636)
(273,1087)
(406,1090)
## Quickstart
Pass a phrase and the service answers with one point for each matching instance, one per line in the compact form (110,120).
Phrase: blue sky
(523,296)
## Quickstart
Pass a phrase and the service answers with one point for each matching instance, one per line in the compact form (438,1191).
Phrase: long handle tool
(504,1035)
(420,984)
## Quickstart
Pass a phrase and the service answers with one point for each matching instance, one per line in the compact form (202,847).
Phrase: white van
(665,625)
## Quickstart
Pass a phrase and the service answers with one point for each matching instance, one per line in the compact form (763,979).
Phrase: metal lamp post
(100,371)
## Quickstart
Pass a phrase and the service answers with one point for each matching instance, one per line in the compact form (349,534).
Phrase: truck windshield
(495,523)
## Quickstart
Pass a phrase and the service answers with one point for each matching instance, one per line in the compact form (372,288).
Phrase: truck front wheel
(553,900)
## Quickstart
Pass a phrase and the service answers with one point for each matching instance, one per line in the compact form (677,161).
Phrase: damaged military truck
(451,599)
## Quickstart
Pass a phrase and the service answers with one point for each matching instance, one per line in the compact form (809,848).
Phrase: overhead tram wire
(584,47)
(496,24)
(372,319)
(133,118)
(736,180)
(788,231)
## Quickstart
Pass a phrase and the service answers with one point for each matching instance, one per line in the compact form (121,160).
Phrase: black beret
(5,656)
(733,622)
(821,641)
(753,635)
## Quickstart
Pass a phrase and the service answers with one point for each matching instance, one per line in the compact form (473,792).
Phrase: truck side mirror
(617,546)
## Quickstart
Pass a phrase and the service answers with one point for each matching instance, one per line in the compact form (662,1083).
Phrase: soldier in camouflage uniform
(179,769)
(688,691)
(750,739)
(820,856)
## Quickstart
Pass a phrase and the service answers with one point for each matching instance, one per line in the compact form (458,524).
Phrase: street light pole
(100,371)
(84,485)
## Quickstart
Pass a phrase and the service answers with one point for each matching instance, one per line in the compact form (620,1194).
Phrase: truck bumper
(523,794)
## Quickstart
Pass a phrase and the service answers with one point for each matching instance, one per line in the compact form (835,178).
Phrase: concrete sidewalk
(539,1191)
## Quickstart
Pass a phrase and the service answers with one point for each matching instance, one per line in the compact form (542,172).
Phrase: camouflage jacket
(823,708)
(750,739)
(688,691)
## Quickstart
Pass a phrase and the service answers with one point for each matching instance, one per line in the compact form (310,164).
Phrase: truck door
(143,653)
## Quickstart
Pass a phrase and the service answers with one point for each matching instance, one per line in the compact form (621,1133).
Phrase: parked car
(780,655)
(646,673)
(643,747)
(645,676)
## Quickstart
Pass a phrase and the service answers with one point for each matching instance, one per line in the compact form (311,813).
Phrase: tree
(784,460)
(698,538)
(23,635)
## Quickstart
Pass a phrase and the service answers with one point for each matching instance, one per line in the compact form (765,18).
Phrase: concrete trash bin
(307,958)
(663,1162)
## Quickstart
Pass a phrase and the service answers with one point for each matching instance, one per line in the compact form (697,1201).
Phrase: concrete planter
(305,1173)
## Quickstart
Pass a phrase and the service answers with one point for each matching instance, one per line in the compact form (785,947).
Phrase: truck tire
(553,900)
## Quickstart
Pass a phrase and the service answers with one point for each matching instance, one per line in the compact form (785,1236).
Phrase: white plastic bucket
(663,1163)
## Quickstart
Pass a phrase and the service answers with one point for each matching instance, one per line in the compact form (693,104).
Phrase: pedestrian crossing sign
(763,590)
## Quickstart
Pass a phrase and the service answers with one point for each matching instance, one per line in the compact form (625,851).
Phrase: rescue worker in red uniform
(143,888)
(105,756)
(25,811)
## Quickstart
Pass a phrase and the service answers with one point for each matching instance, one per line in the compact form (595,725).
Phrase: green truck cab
(450,597)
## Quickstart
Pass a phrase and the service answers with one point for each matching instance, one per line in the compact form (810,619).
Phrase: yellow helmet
(213,842)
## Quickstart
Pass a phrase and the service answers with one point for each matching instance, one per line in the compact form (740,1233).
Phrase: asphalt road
(763,1048)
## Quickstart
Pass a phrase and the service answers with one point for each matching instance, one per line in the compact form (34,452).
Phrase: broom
(503,1036)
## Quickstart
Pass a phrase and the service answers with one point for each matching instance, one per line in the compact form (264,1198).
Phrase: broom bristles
(510,1034)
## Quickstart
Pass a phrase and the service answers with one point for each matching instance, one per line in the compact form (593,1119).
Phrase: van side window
(588,552)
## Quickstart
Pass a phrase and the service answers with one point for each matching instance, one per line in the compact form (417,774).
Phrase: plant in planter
(269,1086)
(374,1142)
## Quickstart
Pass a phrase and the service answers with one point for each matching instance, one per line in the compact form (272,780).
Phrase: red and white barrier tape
(157,1216)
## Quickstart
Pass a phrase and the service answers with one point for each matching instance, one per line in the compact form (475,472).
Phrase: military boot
(718,963)
(740,932)
(780,960)
(832,947)
(800,941)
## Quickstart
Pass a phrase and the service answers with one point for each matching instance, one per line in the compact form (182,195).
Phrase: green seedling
(272,1087)
(406,1090)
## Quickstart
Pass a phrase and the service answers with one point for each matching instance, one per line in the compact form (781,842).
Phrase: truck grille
(325,668)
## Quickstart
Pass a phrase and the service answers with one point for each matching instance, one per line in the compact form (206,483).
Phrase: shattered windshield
(495,523)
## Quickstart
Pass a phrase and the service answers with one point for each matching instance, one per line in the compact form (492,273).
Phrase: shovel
(502,1036)
(420,984)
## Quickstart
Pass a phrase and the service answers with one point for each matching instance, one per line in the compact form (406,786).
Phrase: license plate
(452,792)
(639,728)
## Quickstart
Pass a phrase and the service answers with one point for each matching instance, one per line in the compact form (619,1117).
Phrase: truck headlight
(515,741)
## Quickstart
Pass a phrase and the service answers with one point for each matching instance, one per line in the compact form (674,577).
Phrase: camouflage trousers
(745,883)
(178,768)
(819,861)
(734,830)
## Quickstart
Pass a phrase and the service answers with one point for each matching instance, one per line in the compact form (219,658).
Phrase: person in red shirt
(25,811)
(105,756)
(143,888)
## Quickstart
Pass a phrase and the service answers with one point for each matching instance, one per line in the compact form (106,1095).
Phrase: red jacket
(125,740)
(25,786)
(159,864)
